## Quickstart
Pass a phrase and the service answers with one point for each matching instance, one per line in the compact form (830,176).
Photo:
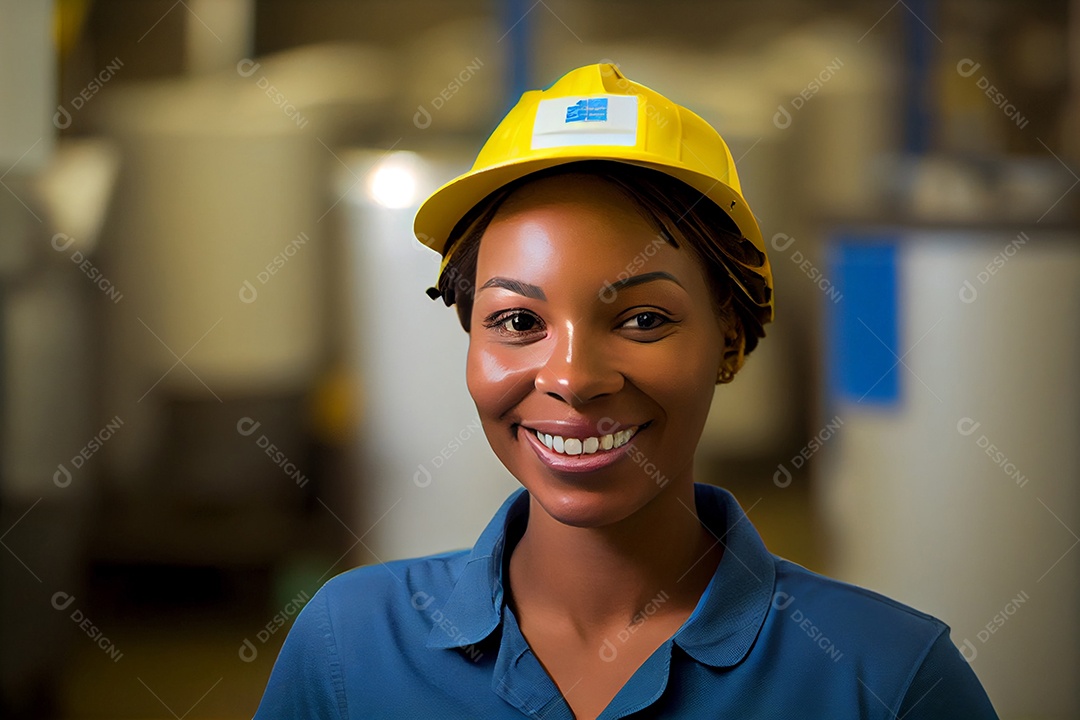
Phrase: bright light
(394,182)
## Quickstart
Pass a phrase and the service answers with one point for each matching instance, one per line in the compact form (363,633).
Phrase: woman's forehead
(594,218)
(562,237)
(569,187)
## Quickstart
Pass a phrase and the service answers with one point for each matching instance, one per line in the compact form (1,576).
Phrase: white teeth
(588,446)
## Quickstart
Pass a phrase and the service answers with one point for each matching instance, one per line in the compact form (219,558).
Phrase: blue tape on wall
(864,327)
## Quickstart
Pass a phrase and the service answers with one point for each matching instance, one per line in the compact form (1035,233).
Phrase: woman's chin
(585,507)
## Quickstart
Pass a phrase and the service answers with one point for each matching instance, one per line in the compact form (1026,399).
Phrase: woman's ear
(734,353)
(464,312)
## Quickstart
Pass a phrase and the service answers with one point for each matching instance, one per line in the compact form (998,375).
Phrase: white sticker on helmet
(586,120)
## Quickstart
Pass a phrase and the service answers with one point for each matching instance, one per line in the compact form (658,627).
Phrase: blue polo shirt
(432,637)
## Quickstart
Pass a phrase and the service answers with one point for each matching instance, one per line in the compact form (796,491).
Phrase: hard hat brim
(444,208)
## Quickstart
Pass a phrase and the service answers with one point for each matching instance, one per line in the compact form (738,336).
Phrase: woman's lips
(565,445)
(581,454)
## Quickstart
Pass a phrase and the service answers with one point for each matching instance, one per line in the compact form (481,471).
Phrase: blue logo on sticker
(587,110)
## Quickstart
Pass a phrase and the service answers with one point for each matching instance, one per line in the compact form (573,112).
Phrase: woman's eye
(514,323)
(646,321)
(519,323)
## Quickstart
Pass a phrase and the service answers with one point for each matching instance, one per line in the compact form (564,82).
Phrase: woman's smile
(584,372)
(584,453)
(585,445)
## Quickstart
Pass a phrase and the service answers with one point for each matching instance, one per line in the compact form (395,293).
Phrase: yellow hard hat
(595,112)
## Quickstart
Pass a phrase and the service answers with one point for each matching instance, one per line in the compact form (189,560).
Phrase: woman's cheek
(681,380)
(498,376)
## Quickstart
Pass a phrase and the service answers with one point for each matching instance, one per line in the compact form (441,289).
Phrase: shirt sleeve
(946,687)
(306,681)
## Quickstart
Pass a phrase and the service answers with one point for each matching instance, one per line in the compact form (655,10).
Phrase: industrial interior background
(222,382)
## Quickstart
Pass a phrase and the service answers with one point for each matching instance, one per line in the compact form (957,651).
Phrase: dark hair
(710,234)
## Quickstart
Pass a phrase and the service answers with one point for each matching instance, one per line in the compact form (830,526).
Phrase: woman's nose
(579,368)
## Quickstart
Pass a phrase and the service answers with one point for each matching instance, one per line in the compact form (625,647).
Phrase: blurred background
(222,382)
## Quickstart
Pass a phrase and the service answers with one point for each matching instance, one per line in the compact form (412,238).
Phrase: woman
(609,273)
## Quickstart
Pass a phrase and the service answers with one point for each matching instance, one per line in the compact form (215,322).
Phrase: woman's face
(587,326)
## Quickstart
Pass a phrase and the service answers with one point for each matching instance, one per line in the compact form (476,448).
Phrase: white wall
(923,514)
(431,481)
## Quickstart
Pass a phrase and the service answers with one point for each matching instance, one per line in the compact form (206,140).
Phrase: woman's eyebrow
(533,291)
(516,286)
(644,278)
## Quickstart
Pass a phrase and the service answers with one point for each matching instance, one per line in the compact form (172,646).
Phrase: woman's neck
(595,581)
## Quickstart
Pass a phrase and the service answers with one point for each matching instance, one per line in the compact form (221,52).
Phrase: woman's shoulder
(348,628)
(901,656)
(394,580)
(837,624)
(863,620)
(797,586)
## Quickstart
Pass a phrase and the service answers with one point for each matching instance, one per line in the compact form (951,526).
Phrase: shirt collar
(727,619)
(475,603)
(720,631)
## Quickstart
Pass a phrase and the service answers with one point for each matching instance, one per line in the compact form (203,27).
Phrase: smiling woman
(604,262)
(548,357)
